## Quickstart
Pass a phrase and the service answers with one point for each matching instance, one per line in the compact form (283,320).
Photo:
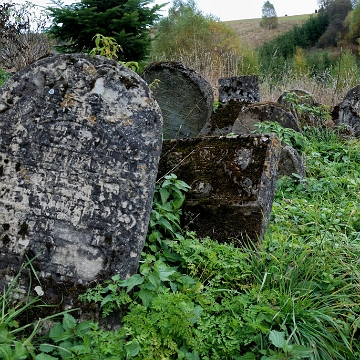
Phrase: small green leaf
(45,357)
(277,338)
(69,322)
(132,348)
(146,296)
(163,270)
(133,281)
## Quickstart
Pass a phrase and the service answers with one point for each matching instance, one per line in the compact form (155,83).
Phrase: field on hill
(252,34)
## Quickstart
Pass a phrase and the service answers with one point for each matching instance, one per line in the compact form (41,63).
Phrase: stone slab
(80,140)
(232,183)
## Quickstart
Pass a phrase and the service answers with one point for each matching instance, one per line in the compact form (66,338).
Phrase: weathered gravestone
(80,140)
(222,120)
(292,99)
(290,162)
(244,88)
(186,99)
(232,183)
(260,112)
(348,111)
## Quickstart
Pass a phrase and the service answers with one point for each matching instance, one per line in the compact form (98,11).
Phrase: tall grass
(329,86)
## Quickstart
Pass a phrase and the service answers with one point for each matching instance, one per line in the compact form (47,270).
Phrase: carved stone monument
(186,99)
(232,183)
(80,140)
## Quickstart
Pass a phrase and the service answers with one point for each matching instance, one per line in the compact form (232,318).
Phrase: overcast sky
(236,9)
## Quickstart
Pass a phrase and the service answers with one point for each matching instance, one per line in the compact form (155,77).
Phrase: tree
(200,42)
(337,11)
(127,21)
(269,18)
(22,40)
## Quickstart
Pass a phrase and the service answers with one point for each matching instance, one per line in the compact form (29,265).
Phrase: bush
(22,40)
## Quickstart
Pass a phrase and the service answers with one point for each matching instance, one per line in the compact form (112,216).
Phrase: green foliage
(17,341)
(346,71)
(336,10)
(274,53)
(286,135)
(187,34)
(3,76)
(105,46)
(127,21)
(354,26)
(303,107)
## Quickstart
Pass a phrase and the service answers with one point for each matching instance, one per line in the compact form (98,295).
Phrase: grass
(294,296)
(251,33)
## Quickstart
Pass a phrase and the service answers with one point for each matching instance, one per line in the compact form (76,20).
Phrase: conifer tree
(127,21)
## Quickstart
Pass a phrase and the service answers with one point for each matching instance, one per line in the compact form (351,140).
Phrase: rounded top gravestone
(186,99)
(80,140)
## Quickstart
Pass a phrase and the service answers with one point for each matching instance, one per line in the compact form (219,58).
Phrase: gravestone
(348,111)
(290,162)
(80,140)
(223,118)
(186,99)
(243,88)
(232,182)
(257,113)
(300,97)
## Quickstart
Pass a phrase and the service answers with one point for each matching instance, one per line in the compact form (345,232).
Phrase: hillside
(252,34)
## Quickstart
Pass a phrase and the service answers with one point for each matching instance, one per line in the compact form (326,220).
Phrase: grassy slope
(253,35)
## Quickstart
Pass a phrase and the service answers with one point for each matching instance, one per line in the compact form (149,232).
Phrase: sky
(228,10)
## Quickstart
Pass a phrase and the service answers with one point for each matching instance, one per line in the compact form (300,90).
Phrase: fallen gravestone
(186,99)
(232,183)
(348,111)
(261,112)
(80,140)
(243,88)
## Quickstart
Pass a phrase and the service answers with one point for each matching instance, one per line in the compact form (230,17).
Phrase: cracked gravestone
(232,182)
(186,99)
(80,140)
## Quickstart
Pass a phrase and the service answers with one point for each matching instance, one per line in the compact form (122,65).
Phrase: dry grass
(253,35)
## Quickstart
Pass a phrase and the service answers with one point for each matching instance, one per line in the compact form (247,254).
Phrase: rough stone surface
(186,99)
(303,97)
(245,88)
(290,162)
(80,141)
(261,112)
(222,120)
(348,111)
(232,183)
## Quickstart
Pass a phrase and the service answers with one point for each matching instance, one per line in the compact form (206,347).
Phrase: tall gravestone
(80,140)
(186,99)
